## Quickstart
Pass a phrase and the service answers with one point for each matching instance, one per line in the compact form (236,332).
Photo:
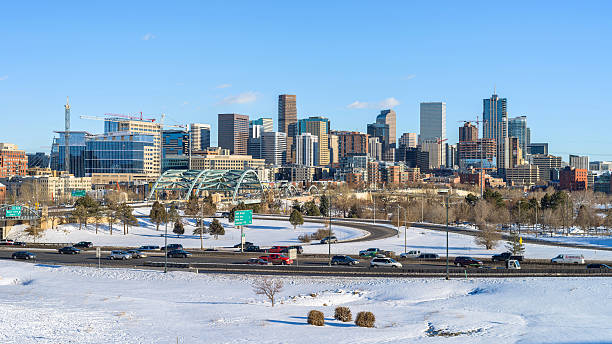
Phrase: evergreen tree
(324,205)
(471,199)
(216,228)
(80,213)
(158,214)
(514,245)
(178,229)
(296,218)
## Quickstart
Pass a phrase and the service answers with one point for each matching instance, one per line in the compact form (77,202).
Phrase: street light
(166,244)
(405,226)
(446,193)
(329,232)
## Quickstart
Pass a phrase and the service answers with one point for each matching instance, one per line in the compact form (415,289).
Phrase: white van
(568,259)
(411,254)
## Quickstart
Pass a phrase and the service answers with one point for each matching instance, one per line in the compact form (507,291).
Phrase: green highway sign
(78,193)
(243,217)
(14,211)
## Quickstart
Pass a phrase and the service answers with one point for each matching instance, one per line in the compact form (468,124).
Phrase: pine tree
(324,205)
(216,229)
(514,245)
(178,229)
(296,218)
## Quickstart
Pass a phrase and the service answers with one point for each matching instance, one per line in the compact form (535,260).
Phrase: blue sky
(193,60)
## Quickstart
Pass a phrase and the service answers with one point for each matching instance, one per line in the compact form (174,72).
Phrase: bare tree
(268,287)
(483,216)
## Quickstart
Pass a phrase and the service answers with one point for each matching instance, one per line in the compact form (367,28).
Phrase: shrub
(320,234)
(343,314)
(365,319)
(304,238)
(316,318)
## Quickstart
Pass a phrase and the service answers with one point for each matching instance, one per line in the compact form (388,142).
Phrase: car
(411,254)
(299,249)
(6,242)
(428,256)
(83,244)
(599,266)
(258,261)
(246,244)
(23,255)
(329,240)
(119,255)
(502,257)
(19,243)
(344,260)
(253,248)
(179,253)
(137,254)
(384,262)
(278,249)
(69,250)
(467,261)
(568,259)
(277,258)
(148,248)
(370,252)
(172,247)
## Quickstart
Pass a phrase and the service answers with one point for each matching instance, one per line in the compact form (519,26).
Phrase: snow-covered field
(57,304)
(261,232)
(459,245)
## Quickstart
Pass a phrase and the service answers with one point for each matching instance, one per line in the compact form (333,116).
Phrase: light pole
(405,226)
(447,194)
(166,244)
(329,232)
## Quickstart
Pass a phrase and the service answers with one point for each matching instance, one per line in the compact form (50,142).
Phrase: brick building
(13,162)
(573,179)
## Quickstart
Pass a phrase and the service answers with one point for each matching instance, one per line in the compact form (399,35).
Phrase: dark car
(246,244)
(467,261)
(344,260)
(69,250)
(502,257)
(178,253)
(23,255)
(172,247)
(253,248)
(84,244)
(428,256)
(599,266)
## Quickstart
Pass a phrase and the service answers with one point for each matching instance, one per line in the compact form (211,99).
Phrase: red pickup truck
(276,258)
(278,249)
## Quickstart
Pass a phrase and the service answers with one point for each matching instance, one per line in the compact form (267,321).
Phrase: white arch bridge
(233,185)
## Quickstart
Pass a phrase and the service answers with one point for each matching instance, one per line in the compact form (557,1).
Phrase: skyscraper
(200,136)
(375,150)
(254,143)
(409,140)
(274,147)
(233,133)
(433,121)
(307,146)
(287,121)
(468,132)
(389,118)
(267,123)
(579,162)
(317,126)
(495,117)
(351,143)
(143,127)
(517,127)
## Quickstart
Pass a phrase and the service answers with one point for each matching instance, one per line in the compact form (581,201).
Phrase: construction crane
(109,117)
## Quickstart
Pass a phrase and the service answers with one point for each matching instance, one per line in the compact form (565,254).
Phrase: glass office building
(76,148)
(517,127)
(117,153)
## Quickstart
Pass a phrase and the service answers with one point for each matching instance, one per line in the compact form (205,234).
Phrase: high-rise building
(287,122)
(334,149)
(317,126)
(254,143)
(375,150)
(433,121)
(267,123)
(525,175)
(436,156)
(13,161)
(143,127)
(451,156)
(274,147)
(517,127)
(389,118)
(39,159)
(409,140)
(122,152)
(579,162)
(468,132)
(200,136)
(537,148)
(495,118)
(307,146)
(380,130)
(233,133)
(351,143)
(175,142)
(478,154)
(516,154)
(573,179)
(76,152)
(546,163)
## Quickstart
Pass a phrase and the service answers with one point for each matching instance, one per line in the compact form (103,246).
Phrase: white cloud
(4,77)
(409,77)
(149,36)
(384,104)
(224,86)
(242,98)
(388,103)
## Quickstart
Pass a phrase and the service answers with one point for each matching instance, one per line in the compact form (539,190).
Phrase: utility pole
(166,244)
(201,226)
(329,233)
(398,220)
(67,137)
(446,237)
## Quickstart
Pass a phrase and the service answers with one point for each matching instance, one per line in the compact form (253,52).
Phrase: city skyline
(127,69)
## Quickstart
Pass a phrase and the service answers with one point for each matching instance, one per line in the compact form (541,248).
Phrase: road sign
(78,193)
(97,252)
(292,253)
(243,217)
(14,211)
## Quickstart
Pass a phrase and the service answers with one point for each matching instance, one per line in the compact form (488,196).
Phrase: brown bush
(343,314)
(365,319)
(320,234)
(316,318)
(304,238)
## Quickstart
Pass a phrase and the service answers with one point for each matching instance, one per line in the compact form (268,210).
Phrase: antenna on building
(67,136)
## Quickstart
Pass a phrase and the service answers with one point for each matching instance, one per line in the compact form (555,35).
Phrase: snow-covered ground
(459,245)
(58,304)
(261,232)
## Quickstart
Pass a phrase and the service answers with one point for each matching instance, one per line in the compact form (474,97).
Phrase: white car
(384,262)
(123,255)
(411,254)
(568,259)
